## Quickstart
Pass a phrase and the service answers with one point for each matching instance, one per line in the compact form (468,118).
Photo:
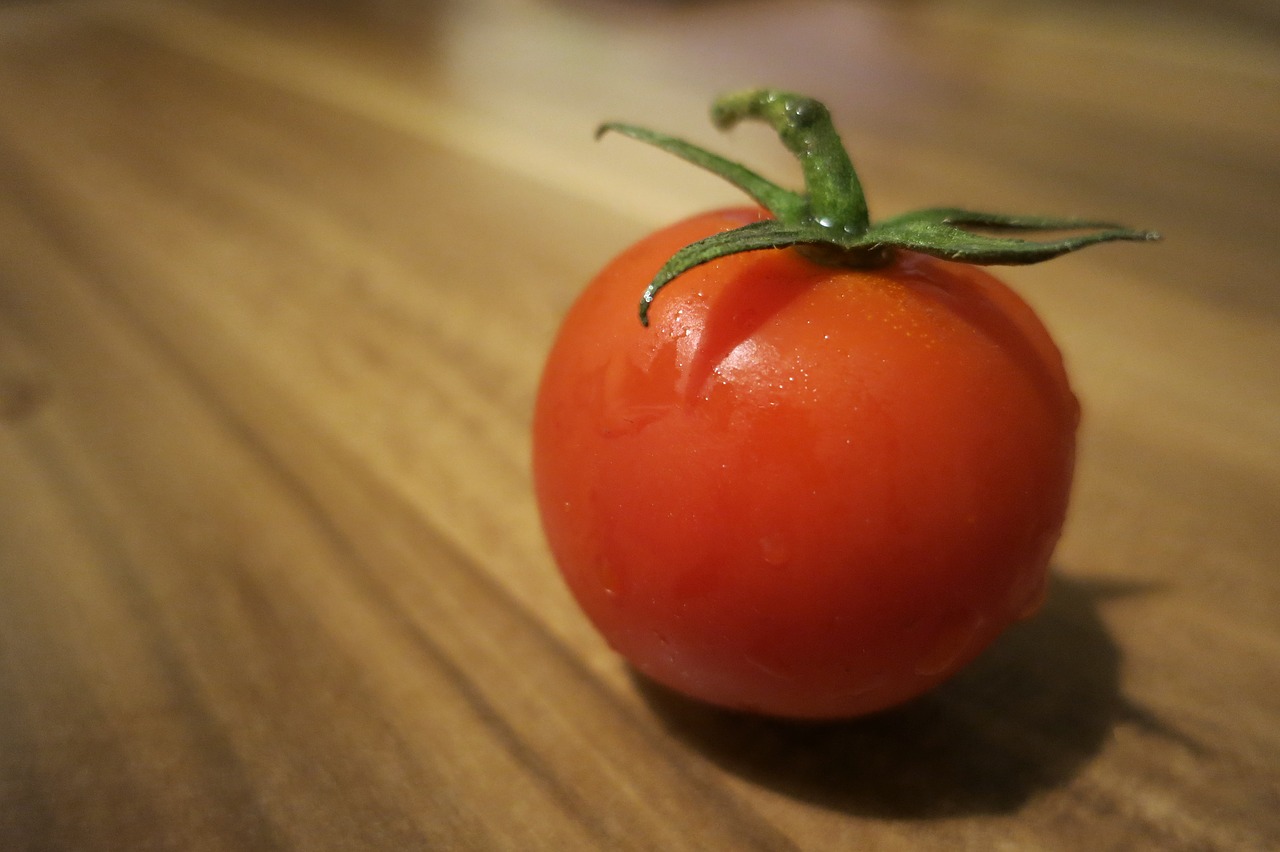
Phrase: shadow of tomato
(1021,719)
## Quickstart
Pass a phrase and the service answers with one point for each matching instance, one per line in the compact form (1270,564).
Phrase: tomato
(821,477)
(803,491)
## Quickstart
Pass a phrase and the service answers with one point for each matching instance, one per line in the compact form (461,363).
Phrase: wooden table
(275,285)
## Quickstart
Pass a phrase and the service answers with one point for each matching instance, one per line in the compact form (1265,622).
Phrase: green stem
(836,199)
(828,223)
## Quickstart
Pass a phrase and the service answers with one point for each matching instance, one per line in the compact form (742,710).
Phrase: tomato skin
(803,491)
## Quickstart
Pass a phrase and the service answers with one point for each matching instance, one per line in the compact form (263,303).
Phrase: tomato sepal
(945,232)
(782,203)
(829,223)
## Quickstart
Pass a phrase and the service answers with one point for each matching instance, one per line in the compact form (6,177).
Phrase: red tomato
(804,490)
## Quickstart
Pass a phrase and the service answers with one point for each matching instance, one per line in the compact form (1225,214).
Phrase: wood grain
(275,285)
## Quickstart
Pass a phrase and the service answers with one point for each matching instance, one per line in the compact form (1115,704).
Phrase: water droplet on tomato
(771,669)
(664,644)
(1033,599)
(637,393)
(952,639)
(775,550)
(609,577)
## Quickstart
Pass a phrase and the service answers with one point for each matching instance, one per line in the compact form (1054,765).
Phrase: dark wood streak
(226,780)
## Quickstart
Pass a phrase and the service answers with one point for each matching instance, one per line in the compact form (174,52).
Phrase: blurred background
(1136,108)
(276,283)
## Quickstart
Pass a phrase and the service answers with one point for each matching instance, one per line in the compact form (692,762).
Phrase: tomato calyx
(829,222)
